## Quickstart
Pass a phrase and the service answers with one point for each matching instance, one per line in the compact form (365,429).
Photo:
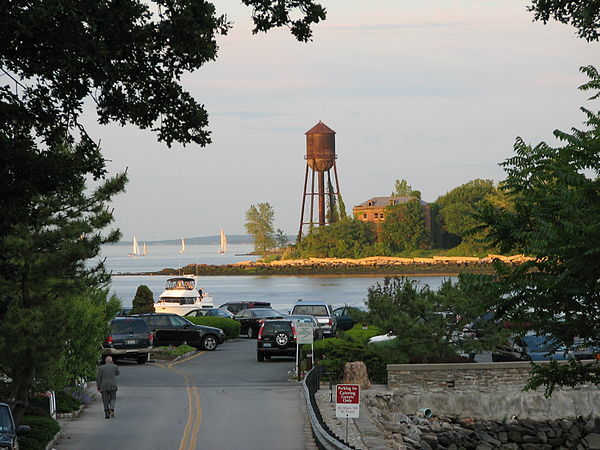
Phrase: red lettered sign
(347,401)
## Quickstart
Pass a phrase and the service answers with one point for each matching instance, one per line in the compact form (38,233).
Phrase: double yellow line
(190,433)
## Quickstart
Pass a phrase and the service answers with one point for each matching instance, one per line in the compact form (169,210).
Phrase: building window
(381,216)
(364,215)
(370,203)
(376,215)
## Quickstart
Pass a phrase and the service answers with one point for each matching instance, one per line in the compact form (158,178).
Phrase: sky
(431,91)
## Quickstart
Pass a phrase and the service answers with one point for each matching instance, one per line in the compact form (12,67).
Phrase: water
(161,256)
(281,291)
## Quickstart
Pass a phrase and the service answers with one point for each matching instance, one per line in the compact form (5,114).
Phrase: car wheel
(268,358)
(250,333)
(142,359)
(260,357)
(281,340)
(209,342)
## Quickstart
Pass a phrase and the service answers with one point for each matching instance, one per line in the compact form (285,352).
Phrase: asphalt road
(216,400)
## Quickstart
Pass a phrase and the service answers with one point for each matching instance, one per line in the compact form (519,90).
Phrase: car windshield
(266,313)
(539,343)
(128,326)
(313,310)
(6,424)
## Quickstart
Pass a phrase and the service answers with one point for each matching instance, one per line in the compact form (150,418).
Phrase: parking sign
(347,401)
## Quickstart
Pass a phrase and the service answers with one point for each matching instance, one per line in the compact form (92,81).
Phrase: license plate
(266,344)
(130,342)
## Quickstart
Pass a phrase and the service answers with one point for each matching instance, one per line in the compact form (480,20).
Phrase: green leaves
(259,224)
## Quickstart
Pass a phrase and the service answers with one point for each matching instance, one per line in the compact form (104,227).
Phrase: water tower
(320,159)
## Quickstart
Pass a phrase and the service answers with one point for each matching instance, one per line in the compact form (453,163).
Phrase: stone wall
(485,390)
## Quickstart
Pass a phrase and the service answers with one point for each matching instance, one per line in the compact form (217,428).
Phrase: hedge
(43,430)
(66,403)
(230,327)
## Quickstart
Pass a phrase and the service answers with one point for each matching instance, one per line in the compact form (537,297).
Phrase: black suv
(171,329)
(129,337)
(8,431)
(276,338)
(236,307)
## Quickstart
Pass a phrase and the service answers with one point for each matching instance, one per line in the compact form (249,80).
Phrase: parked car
(171,329)
(318,332)
(251,319)
(210,312)
(236,307)
(344,316)
(322,311)
(8,432)
(276,338)
(128,337)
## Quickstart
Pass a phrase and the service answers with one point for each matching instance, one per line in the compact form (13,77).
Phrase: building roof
(382,202)
(320,128)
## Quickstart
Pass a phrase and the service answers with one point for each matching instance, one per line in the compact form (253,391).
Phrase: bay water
(282,291)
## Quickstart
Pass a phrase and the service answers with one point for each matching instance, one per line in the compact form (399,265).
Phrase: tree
(554,218)
(582,14)
(428,324)
(457,213)
(259,224)
(128,60)
(403,229)
(403,189)
(348,238)
(143,302)
(281,239)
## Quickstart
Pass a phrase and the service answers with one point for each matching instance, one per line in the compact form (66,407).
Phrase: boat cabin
(181,283)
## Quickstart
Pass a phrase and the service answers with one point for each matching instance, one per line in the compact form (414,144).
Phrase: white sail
(135,250)
(144,251)
(223,247)
(182,250)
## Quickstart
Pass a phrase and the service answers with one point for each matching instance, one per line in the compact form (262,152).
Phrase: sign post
(304,335)
(347,402)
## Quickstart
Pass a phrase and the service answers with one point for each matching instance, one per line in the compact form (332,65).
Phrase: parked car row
(135,336)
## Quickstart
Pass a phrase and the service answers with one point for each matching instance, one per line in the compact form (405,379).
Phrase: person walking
(106,381)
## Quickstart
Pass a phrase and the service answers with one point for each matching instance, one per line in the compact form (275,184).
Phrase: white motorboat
(180,296)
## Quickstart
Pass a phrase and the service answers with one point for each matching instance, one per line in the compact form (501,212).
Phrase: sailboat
(182,250)
(223,247)
(144,250)
(135,251)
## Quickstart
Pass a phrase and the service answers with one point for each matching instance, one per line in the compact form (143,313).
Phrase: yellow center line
(192,426)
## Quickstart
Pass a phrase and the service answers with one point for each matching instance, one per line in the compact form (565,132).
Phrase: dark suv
(276,338)
(236,307)
(8,431)
(129,337)
(171,329)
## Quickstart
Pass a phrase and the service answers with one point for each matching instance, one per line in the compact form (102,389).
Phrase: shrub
(360,335)
(43,430)
(66,403)
(230,327)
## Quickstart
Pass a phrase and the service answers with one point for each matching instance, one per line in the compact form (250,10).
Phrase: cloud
(394,26)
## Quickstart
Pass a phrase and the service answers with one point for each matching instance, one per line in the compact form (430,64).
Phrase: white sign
(347,401)
(305,333)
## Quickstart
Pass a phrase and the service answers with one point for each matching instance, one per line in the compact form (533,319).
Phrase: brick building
(373,211)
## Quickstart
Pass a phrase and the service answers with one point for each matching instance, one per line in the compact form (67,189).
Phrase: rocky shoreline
(375,265)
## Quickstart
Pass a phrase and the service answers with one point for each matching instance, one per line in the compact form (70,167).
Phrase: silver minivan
(322,311)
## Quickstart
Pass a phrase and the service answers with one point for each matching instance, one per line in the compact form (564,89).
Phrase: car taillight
(330,322)
(109,340)
(259,337)
(294,331)
(151,338)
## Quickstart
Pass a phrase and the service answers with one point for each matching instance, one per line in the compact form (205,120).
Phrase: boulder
(356,373)
(593,441)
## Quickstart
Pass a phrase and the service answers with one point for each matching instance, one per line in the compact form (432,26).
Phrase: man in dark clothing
(106,381)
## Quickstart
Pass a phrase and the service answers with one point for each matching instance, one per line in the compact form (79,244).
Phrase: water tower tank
(320,147)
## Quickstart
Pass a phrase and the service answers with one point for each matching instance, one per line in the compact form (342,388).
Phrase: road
(215,400)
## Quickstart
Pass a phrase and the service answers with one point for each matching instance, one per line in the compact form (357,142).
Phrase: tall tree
(259,224)
(556,219)
(403,228)
(457,210)
(403,189)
